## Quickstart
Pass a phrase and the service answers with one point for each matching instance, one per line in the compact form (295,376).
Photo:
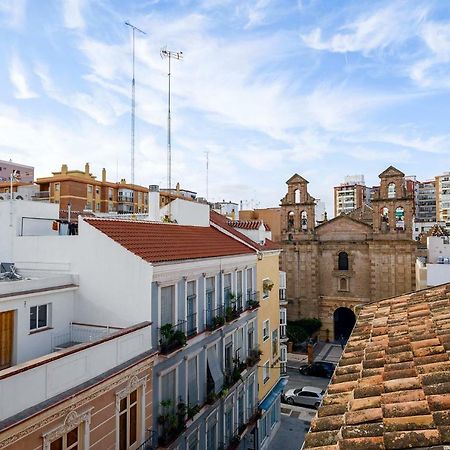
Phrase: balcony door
(6,338)
(168,305)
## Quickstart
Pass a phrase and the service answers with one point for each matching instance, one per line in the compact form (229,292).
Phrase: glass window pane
(123,432)
(57,445)
(167,304)
(33,317)
(133,397)
(133,424)
(42,316)
(72,436)
(123,404)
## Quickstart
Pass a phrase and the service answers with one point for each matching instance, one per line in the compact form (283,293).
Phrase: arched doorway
(344,321)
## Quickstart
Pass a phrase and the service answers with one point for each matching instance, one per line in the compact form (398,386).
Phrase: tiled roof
(247,224)
(391,389)
(159,242)
(222,222)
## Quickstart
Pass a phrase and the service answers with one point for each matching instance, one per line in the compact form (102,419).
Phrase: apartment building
(22,172)
(65,382)
(351,194)
(80,191)
(442,186)
(272,327)
(198,287)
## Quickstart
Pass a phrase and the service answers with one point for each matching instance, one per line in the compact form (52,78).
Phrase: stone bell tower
(297,210)
(299,258)
(393,206)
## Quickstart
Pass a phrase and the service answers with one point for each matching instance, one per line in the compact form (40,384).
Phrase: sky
(267,88)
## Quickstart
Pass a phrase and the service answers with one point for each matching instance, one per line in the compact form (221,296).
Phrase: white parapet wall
(43,378)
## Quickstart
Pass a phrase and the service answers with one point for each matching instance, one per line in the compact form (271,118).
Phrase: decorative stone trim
(72,420)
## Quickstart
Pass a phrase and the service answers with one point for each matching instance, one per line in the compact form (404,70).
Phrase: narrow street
(296,419)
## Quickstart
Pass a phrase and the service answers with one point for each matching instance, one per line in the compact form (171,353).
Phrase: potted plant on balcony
(218,321)
(168,422)
(192,411)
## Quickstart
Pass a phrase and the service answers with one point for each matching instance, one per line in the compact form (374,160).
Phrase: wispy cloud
(19,78)
(370,31)
(434,69)
(73,13)
(13,13)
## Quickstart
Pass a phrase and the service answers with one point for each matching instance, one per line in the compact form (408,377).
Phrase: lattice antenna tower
(179,56)
(133,97)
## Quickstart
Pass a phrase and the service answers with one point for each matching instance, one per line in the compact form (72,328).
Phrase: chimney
(86,169)
(153,203)
(103,175)
(64,169)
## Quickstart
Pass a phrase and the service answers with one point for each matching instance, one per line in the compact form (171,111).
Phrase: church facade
(350,260)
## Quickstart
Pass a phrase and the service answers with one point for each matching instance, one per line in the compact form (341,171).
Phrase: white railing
(79,334)
(43,378)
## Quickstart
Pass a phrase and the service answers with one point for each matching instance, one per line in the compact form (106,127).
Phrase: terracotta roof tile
(391,389)
(159,242)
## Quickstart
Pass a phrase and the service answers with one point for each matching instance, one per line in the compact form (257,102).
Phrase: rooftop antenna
(177,55)
(133,102)
(207,174)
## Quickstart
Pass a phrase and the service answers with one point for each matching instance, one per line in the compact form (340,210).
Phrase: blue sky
(268,88)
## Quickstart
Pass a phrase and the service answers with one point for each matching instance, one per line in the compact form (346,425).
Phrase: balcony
(78,333)
(254,356)
(252,300)
(191,322)
(41,196)
(171,421)
(215,318)
(172,337)
(150,442)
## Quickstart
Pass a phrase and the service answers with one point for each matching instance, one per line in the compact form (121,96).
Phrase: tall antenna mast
(177,55)
(133,102)
(207,174)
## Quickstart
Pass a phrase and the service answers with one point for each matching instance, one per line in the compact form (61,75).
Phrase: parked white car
(307,395)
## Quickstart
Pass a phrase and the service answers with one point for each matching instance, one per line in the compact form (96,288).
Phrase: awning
(273,394)
(214,368)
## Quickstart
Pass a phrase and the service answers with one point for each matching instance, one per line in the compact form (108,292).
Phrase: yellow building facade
(269,383)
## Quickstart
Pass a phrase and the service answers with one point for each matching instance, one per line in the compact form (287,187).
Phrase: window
(263,428)
(110,194)
(39,317)
(400,218)
(266,370)
(304,220)
(211,434)
(391,190)
(97,207)
(56,187)
(266,325)
(192,382)
(250,337)
(297,196)
(89,189)
(228,421)
(290,220)
(97,190)
(128,420)
(239,288)
(274,344)
(168,389)
(227,290)
(343,284)
(193,441)
(191,308)
(249,284)
(343,261)
(168,305)
(72,434)
(210,295)
(273,416)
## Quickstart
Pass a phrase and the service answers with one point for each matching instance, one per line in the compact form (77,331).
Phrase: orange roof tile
(159,242)
(224,223)
(391,389)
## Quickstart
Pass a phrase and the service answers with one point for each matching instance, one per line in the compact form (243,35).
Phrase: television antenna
(169,55)
(133,100)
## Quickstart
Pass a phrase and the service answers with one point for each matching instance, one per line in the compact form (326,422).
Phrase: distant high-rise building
(426,201)
(23,173)
(351,194)
(442,186)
